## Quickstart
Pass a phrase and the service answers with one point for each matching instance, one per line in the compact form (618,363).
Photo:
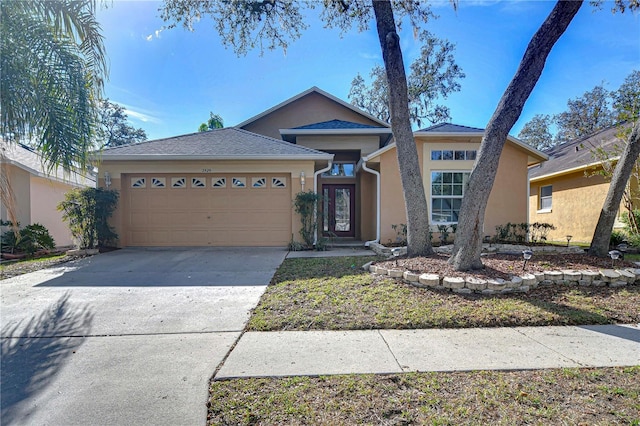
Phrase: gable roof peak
(313,89)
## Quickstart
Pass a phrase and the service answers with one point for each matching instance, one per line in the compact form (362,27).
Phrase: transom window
(449,154)
(341,169)
(546,193)
(447,190)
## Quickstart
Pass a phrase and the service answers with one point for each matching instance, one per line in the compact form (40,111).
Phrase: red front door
(338,201)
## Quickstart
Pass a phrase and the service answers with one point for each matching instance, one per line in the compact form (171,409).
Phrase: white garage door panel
(159,214)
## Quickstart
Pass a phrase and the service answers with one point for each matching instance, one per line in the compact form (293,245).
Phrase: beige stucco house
(36,190)
(236,186)
(568,191)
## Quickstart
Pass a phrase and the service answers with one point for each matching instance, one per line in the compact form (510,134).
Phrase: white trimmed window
(447,190)
(341,169)
(546,193)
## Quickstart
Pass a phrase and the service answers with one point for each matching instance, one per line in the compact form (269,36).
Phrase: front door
(338,211)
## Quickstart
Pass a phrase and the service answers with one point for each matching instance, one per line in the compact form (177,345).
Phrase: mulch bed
(505,266)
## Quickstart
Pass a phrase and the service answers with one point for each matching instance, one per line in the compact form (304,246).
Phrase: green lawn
(335,294)
(604,396)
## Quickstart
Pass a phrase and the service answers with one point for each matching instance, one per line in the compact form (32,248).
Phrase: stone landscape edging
(382,250)
(518,283)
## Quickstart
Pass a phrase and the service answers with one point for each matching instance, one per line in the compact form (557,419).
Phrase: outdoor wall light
(107,179)
(302,180)
(526,254)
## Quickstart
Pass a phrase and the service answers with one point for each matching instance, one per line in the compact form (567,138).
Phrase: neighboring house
(236,186)
(37,191)
(568,191)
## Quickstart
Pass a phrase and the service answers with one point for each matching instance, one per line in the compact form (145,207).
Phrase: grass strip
(335,294)
(604,396)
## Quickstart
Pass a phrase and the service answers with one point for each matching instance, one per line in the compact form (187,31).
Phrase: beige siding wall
(36,201)
(576,204)
(45,197)
(312,108)
(20,183)
(507,201)
(365,144)
(367,206)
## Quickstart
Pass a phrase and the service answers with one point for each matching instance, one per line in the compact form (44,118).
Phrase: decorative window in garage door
(198,182)
(238,182)
(158,182)
(219,182)
(279,182)
(138,182)
(178,182)
(259,182)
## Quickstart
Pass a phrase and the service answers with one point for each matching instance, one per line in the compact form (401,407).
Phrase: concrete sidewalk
(288,353)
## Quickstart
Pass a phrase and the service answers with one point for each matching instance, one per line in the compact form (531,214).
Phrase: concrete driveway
(127,337)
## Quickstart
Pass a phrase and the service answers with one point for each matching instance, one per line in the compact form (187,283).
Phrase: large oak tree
(469,234)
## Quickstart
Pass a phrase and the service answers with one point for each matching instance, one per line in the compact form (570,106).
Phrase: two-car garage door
(236,209)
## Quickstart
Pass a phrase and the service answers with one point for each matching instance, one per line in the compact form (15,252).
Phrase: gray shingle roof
(578,153)
(337,124)
(451,128)
(30,161)
(224,143)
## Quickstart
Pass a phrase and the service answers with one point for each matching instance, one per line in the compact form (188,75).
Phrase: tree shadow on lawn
(556,299)
(33,352)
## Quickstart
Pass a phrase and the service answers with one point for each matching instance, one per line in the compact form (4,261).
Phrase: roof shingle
(578,153)
(451,128)
(32,162)
(229,142)
(337,125)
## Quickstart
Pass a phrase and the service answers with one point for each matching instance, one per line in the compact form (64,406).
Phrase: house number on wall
(207,170)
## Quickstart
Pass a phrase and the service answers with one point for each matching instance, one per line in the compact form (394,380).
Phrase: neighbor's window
(447,190)
(341,170)
(545,197)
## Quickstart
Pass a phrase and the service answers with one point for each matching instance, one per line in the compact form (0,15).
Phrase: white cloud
(140,114)
(154,35)
(370,56)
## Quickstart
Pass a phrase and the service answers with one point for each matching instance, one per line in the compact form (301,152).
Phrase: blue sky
(169,80)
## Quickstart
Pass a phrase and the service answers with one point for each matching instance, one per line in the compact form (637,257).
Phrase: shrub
(401,233)
(445,231)
(630,225)
(28,240)
(617,237)
(305,205)
(87,212)
(539,231)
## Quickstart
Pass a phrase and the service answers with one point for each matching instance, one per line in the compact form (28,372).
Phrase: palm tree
(52,68)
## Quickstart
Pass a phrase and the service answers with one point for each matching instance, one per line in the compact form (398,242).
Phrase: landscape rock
(431,280)
(453,282)
(475,283)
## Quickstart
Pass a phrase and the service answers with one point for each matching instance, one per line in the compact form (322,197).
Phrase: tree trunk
(468,242)
(418,242)
(621,174)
